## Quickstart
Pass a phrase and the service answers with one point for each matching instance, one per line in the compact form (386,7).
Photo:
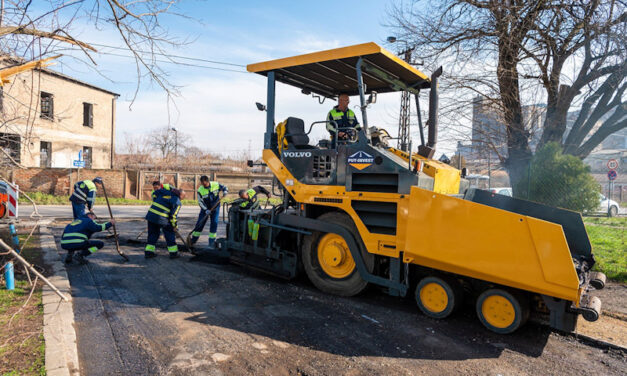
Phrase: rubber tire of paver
(454,295)
(613,212)
(350,285)
(519,303)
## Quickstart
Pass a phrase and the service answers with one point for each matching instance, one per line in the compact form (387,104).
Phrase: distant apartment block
(48,117)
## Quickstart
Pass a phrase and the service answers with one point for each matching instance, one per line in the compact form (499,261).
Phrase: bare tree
(31,32)
(165,141)
(508,51)
(591,34)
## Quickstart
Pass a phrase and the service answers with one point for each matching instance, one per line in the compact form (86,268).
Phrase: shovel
(115,231)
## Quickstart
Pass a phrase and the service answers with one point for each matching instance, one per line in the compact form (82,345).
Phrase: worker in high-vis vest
(156,185)
(84,194)
(343,117)
(162,216)
(250,197)
(76,238)
(209,201)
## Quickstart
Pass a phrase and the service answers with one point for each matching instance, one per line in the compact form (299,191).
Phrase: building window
(88,115)
(45,154)
(87,156)
(47,106)
(10,145)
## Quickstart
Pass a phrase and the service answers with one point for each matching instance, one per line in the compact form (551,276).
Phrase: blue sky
(217,107)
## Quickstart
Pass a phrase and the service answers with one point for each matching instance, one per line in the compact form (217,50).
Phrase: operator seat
(295,134)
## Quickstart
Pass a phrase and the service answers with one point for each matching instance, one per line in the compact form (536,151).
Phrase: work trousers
(202,220)
(78,210)
(87,248)
(153,235)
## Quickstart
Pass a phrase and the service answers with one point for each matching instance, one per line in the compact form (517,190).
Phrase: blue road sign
(611,174)
(79,163)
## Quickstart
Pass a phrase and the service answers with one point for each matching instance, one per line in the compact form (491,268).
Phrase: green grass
(48,199)
(22,346)
(609,245)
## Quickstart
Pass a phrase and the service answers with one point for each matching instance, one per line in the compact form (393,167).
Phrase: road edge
(61,352)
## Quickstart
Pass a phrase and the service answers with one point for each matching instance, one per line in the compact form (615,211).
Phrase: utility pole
(403,119)
(176,144)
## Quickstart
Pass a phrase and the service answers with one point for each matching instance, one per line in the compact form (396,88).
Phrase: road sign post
(611,176)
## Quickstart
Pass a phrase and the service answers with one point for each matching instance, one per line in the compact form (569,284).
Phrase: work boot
(80,259)
(174,255)
(68,257)
(149,255)
(212,242)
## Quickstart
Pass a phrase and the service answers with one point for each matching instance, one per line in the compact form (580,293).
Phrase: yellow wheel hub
(498,311)
(334,256)
(433,297)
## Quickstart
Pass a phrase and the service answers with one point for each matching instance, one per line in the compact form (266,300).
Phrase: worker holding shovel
(209,202)
(162,216)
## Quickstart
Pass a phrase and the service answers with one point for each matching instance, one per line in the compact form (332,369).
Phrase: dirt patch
(21,321)
(606,328)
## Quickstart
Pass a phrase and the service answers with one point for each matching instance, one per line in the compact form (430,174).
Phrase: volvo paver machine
(359,212)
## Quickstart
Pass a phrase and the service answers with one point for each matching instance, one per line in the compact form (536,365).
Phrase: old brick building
(48,117)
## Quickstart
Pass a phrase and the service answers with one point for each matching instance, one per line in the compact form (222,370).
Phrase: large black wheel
(328,262)
(437,297)
(501,311)
(613,212)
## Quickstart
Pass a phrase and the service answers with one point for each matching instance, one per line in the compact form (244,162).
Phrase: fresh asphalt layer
(200,316)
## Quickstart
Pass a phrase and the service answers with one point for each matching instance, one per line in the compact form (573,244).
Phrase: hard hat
(98,180)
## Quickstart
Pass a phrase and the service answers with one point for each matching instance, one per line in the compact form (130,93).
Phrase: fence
(133,184)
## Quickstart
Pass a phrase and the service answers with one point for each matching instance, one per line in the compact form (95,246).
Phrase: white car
(606,206)
(505,191)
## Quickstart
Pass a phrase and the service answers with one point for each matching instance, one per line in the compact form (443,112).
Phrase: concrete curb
(59,335)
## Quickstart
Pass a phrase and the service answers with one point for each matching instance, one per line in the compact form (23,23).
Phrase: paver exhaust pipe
(428,150)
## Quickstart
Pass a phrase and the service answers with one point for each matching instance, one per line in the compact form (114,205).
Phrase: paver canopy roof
(331,72)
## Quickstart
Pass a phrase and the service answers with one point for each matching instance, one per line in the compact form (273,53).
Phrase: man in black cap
(84,194)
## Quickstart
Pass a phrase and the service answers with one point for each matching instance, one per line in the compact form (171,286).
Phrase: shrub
(560,180)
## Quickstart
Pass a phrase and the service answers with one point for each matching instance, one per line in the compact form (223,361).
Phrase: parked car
(505,191)
(608,207)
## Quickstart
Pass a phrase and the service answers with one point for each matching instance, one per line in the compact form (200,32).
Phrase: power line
(172,56)
(169,62)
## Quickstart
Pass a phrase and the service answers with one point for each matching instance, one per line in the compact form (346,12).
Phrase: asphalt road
(119,211)
(202,317)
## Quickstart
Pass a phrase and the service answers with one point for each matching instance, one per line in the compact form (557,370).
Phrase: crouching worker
(162,216)
(249,197)
(76,238)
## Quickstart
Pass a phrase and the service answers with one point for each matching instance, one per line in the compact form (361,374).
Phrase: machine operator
(344,118)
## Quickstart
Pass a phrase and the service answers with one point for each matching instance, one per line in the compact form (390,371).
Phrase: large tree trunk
(519,153)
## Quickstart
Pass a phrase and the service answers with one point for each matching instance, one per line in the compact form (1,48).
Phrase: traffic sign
(612,164)
(611,174)
(79,163)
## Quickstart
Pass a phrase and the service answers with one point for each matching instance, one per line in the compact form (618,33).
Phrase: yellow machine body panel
(490,244)
(457,236)
(446,178)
